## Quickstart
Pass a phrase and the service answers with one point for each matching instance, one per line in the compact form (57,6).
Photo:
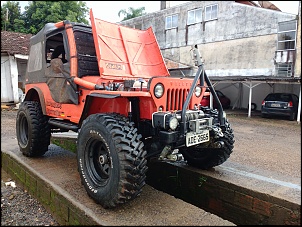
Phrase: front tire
(111,159)
(32,129)
(208,157)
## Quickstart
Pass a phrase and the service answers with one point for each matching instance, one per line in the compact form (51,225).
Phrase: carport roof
(263,79)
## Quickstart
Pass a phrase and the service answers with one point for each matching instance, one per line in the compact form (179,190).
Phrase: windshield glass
(279,97)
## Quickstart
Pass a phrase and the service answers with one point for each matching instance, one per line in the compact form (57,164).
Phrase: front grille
(176,98)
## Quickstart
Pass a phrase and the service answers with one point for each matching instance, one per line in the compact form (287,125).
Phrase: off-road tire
(32,129)
(111,159)
(206,158)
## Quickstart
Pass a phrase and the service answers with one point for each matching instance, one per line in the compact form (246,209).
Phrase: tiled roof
(15,43)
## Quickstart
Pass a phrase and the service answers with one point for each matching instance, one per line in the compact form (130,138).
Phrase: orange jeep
(109,83)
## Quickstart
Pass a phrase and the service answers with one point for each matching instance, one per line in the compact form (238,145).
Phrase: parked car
(225,101)
(280,104)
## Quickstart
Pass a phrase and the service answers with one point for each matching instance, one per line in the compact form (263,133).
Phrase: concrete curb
(236,203)
(54,181)
(65,209)
(242,204)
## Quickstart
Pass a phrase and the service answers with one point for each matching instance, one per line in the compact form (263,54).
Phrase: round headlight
(158,90)
(197,91)
(173,122)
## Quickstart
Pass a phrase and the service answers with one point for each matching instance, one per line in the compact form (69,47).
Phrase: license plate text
(197,138)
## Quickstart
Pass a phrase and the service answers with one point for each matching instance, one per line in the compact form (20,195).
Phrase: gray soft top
(49,27)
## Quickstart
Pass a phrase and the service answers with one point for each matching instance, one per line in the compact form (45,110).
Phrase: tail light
(290,104)
(263,103)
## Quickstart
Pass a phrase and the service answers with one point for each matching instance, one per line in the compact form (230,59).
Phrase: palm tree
(132,13)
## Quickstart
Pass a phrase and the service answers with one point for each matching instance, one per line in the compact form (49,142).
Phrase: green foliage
(37,13)
(201,180)
(131,13)
(11,13)
(19,26)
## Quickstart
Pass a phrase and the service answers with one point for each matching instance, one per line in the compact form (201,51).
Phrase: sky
(108,10)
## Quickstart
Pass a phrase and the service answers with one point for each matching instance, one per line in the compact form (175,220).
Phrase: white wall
(9,79)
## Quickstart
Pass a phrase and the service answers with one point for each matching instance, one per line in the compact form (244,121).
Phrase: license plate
(193,138)
(275,105)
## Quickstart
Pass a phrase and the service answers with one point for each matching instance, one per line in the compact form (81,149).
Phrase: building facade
(244,46)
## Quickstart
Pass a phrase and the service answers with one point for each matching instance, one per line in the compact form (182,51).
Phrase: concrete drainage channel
(211,192)
(242,200)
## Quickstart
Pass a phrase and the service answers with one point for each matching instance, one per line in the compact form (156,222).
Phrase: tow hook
(218,132)
(175,157)
(218,144)
(167,153)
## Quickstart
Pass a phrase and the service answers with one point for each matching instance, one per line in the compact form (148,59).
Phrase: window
(55,48)
(87,59)
(35,59)
(286,44)
(171,21)
(211,12)
(285,69)
(194,16)
(287,35)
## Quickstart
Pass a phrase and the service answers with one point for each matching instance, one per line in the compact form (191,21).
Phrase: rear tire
(292,116)
(206,158)
(253,106)
(111,159)
(32,129)
(264,115)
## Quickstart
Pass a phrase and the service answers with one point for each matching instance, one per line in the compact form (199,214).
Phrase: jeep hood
(126,52)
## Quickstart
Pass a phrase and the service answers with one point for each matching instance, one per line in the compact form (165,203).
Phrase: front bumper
(196,123)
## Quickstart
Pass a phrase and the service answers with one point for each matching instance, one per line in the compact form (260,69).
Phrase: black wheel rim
(23,130)
(98,161)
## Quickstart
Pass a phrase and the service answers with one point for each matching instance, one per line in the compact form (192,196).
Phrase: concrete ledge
(57,203)
(241,202)
(54,180)
(238,204)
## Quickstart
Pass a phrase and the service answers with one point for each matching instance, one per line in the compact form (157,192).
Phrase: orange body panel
(126,52)
(73,112)
(73,51)
(65,111)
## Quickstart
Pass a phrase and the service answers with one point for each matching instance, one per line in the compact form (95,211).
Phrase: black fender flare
(36,94)
(88,103)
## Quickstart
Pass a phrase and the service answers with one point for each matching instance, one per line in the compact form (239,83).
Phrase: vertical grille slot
(176,98)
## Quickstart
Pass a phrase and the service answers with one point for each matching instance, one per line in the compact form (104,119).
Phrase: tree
(11,17)
(132,13)
(38,13)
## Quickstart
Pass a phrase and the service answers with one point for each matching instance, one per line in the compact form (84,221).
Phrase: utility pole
(6,19)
